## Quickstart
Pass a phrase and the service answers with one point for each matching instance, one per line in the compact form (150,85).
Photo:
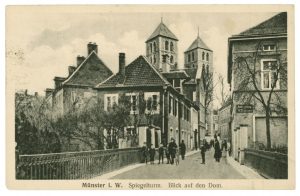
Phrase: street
(190,168)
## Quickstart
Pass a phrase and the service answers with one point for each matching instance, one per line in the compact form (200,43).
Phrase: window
(193,56)
(150,47)
(166,45)
(154,47)
(171,46)
(269,74)
(193,65)
(203,56)
(110,100)
(170,104)
(133,100)
(154,59)
(152,101)
(172,59)
(151,60)
(177,85)
(164,58)
(174,107)
(269,47)
(207,57)
(73,97)
(189,57)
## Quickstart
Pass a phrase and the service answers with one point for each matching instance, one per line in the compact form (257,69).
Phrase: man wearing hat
(172,150)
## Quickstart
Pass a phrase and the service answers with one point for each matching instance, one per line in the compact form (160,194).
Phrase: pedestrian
(229,148)
(167,154)
(218,152)
(177,157)
(152,154)
(172,150)
(144,151)
(161,154)
(203,150)
(182,148)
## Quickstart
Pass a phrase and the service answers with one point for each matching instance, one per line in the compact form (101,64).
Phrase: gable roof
(162,30)
(275,25)
(90,72)
(180,74)
(198,43)
(138,73)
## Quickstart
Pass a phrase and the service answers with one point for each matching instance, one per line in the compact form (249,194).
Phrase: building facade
(225,120)
(263,49)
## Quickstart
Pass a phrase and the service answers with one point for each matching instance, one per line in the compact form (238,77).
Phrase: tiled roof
(191,72)
(138,73)
(198,43)
(162,30)
(275,25)
(175,74)
(90,72)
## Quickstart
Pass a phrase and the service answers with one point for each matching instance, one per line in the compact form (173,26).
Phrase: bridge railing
(268,164)
(74,165)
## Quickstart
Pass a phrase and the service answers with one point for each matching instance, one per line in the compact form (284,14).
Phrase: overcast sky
(42,44)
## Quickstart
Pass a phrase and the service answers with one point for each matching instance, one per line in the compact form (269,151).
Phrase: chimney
(122,63)
(49,91)
(58,81)
(71,69)
(80,59)
(36,94)
(92,46)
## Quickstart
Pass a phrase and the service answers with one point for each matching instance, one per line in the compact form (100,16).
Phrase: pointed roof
(162,30)
(198,43)
(139,73)
(275,25)
(90,72)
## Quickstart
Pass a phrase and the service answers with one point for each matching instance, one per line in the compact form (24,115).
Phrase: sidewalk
(131,167)
(247,172)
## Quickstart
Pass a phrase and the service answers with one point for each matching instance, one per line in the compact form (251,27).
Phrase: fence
(74,165)
(268,164)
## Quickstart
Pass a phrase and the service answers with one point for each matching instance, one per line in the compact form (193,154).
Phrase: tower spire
(198,32)
(161,19)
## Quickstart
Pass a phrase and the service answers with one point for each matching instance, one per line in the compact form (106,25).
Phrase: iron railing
(74,165)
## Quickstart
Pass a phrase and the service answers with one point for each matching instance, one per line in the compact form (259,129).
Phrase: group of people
(171,151)
(220,148)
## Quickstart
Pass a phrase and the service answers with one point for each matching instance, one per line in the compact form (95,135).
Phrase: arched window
(203,55)
(154,47)
(151,47)
(171,59)
(207,57)
(193,56)
(154,59)
(189,57)
(193,65)
(166,45)
(171,46)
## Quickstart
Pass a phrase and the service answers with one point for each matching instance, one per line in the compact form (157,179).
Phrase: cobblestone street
(190,168)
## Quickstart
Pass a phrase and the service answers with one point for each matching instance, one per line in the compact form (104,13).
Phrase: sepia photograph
(150,97)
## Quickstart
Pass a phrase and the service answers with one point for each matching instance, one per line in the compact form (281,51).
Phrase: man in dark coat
(168,154)
(152,154)
(182,148)
(203,150)
(161,154)
(172,150)
(218,152)
(145,152)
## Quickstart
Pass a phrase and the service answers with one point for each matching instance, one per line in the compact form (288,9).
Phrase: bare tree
(253,75)
(223,92)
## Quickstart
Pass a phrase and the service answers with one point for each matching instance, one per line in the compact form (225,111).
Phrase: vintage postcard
(150,97)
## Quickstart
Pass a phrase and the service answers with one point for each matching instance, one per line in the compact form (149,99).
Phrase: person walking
(203,150)
(172,150)
(152,154)
(218,152)
(167,154)
(161,154)
(182,148)
(144,152)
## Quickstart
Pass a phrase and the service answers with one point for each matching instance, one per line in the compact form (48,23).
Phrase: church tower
(161,49)
(197,56)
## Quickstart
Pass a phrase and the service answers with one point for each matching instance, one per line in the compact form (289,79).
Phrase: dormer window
(269,47)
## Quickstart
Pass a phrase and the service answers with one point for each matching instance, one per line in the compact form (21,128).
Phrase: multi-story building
(257,54)
(224,120)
